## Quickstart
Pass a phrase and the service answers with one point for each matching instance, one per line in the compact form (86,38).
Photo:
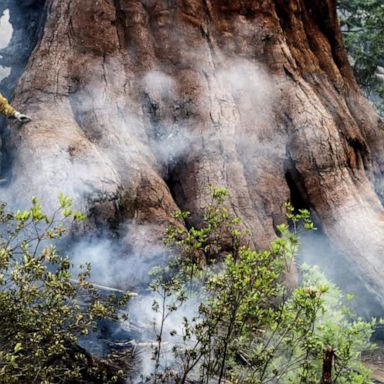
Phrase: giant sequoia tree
(139,105)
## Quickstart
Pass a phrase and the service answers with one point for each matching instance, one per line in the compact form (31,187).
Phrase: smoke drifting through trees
(122,263)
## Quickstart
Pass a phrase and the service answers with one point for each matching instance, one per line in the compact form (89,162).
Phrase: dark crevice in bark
(298,196)
(175,185)
(178,192)
(169,168)
(359,153)
(157,135)
(120,17)
(105,215)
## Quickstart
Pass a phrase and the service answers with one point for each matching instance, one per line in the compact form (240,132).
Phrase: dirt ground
(374,360)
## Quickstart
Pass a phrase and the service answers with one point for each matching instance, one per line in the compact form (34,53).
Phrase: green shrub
(248,328)
(43,311)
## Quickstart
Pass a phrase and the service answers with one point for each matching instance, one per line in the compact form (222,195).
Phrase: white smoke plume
(4,72)
(158,84)
(118,267)
(317,250)
(6,30)
(240,100)
(122,263)
(141,315)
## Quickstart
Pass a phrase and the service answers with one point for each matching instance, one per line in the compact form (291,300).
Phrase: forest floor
(374,360)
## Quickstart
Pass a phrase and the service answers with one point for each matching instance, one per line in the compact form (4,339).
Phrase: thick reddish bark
(260,91)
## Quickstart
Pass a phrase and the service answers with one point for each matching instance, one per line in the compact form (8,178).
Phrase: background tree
(363,28)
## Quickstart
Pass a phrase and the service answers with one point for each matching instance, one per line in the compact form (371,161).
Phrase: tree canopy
(363,27)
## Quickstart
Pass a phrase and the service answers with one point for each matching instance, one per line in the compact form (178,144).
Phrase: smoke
(159,85)
(317,250)
(6,31)
(240,99)
(122,263)
(142,315)
(126,264)
(4,72)
(251,86)
(168,139)
(255,96)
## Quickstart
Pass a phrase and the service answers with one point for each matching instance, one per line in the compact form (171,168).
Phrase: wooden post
(329,355)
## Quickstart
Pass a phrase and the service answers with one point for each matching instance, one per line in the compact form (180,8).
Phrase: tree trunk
(140,105)
(329,355)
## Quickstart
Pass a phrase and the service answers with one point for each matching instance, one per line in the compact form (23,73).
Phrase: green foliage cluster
(363,27)
(43,311)
(247,327)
